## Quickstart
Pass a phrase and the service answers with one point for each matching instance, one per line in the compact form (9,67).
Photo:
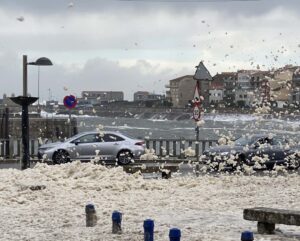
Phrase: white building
(244,95)
(216,96)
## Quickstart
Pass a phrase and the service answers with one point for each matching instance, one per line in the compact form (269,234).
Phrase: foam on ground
(204,208)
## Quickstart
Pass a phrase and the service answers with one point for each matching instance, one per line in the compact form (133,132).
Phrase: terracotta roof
(223,75)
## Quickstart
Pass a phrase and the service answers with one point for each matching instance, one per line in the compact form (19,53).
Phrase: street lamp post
(25,101)
(43,61)
(38,88)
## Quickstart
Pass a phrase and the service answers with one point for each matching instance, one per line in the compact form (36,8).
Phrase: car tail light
(140,143)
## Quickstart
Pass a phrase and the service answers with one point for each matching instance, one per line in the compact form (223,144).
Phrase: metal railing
(12,148)
(177,147)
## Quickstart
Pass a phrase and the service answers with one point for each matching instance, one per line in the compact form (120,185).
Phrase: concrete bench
(268,217)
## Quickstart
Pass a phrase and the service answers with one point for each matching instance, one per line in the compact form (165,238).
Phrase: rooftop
(202,73)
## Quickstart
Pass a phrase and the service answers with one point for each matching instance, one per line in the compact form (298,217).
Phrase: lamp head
(43,61)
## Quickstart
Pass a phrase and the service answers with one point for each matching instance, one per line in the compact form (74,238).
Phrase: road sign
(196,93)
(196,113)
(197,104)
(70,101)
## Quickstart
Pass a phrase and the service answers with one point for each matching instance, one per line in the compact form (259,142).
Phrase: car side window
(279,141)
(90,138)
(112,138)
(264,142)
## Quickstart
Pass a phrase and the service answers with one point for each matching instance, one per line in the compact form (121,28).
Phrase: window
(112,138)
(89,138)
(279,141)
(264,141)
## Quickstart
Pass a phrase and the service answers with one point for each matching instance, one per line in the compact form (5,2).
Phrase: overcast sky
(140,45)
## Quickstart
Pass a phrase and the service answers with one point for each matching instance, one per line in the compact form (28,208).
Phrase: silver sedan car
(93,145)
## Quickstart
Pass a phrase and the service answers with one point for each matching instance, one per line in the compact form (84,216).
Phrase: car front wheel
(60,157)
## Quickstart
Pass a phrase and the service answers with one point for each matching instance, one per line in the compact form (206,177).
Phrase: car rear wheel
(60,157)
(124,157)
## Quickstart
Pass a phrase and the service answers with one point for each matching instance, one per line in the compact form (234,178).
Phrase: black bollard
(91,217)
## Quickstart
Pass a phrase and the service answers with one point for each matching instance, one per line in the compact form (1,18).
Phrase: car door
(86,146)
(264,149)
(110,145)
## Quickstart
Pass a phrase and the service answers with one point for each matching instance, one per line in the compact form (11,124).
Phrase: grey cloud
(139,7)
(98,33)
(96,74)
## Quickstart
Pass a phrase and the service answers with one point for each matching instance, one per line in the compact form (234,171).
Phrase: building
(216,89)
(244,79)
(260,86)
(140,96)
(204,78)
(281,86)
(295,94)
(244,91)
(230,79)
(84,103)
(216,96)
(102,97)
(146,96)
(156,97)
(181,90)
(285,73)
(244,88)
(51,103)
(7,102)
(222,88)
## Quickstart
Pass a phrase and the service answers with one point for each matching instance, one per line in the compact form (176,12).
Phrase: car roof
(108,132)
(100,131)
(262,135)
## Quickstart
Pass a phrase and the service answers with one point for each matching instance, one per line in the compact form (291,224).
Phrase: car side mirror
(76,142)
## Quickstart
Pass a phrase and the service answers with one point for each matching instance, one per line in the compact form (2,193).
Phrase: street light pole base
(25,101)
